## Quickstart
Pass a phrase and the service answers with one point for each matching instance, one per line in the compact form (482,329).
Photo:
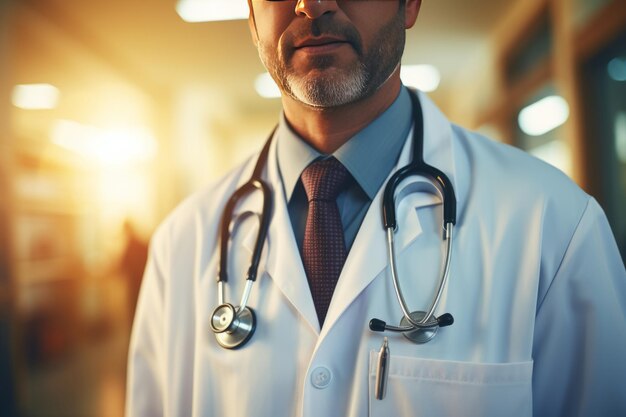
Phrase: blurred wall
(568,50)
(8,380)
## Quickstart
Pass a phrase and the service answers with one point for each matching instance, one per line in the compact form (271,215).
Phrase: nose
(313,9)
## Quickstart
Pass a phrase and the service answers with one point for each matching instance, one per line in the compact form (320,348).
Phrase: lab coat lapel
(368,258)
(368,255)
(282,259)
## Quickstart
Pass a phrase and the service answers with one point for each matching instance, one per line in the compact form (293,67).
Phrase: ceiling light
(211,10)
(617,69)
(423,77)
(543,116)
(35,96)
(266,87)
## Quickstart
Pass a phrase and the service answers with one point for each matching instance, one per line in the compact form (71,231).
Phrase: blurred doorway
(604,77)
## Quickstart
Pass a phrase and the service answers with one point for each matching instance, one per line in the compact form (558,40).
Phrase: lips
(319,43)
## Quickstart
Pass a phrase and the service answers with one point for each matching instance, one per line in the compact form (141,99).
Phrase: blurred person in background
(132,264)
(531,322)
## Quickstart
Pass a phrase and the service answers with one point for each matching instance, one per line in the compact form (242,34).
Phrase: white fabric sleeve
(144,390)
(579,347)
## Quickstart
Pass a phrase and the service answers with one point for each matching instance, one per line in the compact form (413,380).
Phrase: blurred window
(539,128)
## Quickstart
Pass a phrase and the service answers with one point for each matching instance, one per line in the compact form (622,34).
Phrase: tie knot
(325,179)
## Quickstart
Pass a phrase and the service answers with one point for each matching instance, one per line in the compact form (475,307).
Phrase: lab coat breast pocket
(437,388)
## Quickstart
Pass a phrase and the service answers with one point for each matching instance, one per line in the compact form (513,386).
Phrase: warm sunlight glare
(111,146)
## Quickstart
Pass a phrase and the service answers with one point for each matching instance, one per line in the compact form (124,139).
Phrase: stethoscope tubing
(234,326)
(418,167)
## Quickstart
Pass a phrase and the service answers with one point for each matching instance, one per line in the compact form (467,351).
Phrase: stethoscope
(234,326)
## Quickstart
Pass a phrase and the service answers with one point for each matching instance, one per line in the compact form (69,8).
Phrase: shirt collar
(369,155)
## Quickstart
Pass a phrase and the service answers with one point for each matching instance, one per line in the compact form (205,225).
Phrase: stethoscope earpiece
(445,319)
(420,333)
(377,325)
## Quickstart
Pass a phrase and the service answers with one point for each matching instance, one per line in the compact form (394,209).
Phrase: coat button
(321,377)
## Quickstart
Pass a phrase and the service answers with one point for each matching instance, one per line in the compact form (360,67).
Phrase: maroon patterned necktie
(324,248)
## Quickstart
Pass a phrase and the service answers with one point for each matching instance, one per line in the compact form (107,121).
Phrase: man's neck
(328,129)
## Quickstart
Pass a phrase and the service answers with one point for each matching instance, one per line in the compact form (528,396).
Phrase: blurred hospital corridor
(113,112)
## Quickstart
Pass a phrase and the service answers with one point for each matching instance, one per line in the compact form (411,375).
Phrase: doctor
(537,288)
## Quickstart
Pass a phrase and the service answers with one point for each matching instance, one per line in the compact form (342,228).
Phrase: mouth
(320,45)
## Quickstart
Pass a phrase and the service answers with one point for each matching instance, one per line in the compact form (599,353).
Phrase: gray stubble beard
(328,90)
(334,88)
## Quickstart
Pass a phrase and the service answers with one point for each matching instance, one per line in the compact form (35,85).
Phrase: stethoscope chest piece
(232,328)
(420,334)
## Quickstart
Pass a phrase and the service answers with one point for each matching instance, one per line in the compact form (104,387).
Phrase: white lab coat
(537,290)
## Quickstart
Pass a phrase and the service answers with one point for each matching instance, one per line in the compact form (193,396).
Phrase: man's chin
(327,88)
(324,95)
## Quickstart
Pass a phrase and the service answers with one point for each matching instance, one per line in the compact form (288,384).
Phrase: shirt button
(321,377)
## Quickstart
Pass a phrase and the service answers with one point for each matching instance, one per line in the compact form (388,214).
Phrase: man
(537,288)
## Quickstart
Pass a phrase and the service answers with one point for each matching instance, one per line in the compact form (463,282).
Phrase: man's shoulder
(516,189)
(510,171)
(522,196)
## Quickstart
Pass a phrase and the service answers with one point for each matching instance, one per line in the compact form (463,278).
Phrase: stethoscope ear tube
(417,326)
(418,167)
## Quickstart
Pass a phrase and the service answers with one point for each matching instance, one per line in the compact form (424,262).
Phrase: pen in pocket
(382,370)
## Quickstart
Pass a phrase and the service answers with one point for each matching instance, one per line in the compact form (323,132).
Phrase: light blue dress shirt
(369,156)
